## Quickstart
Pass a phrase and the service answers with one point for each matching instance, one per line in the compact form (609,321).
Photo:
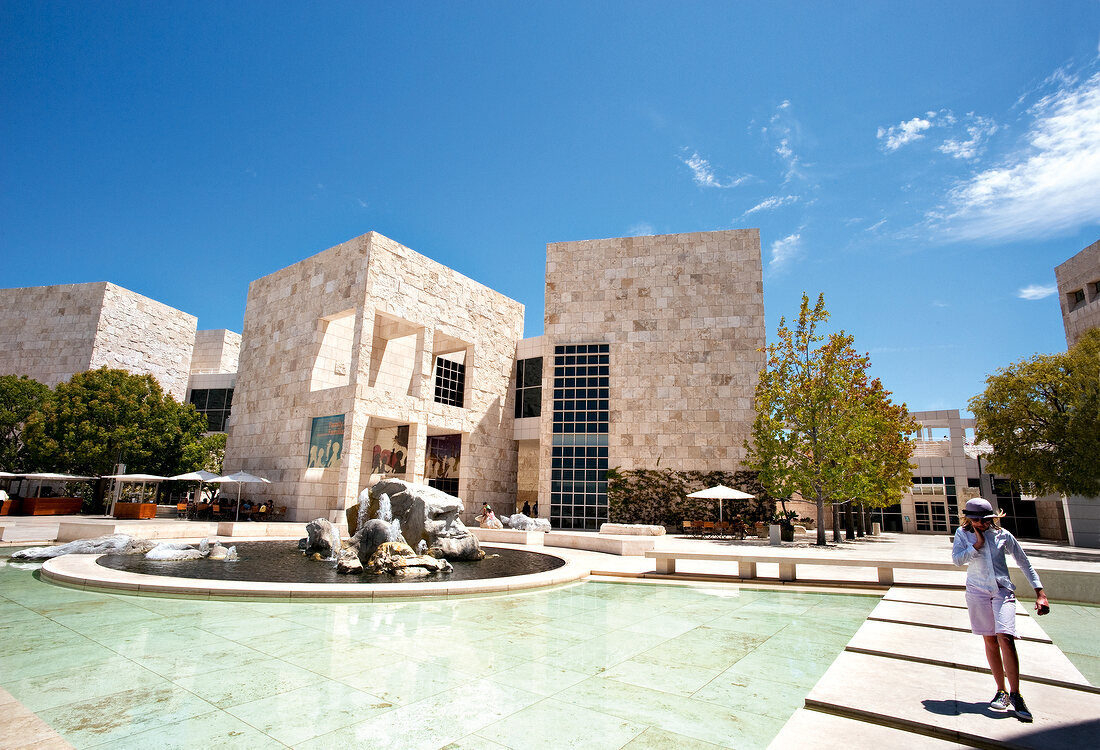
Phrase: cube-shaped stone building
(370,360)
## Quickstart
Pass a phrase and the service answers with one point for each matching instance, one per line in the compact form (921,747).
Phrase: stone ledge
(635,529)
(611,545)
(510,536)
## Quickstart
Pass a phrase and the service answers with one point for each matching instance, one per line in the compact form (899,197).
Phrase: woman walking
(981,544)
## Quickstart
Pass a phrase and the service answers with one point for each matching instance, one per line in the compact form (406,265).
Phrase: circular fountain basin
(512,570)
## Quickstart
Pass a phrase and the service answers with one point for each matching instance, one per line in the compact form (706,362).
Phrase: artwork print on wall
(326,441)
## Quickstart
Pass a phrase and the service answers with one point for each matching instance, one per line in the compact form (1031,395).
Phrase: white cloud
(977,131)
(784,127)
(771,203)
(703,174)
(785,249)
(1051,185)
(904,132)
(642,229)
(1037,291)
(875,226)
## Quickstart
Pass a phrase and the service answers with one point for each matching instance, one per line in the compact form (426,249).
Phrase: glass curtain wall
(578,488)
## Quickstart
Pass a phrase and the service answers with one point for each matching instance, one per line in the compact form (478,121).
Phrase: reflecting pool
(593,665)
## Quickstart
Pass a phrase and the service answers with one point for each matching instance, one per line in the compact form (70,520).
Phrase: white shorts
(992,614)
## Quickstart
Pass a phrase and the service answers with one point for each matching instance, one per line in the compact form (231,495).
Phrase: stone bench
(788,564)
(611,545)
(70,531)
(508,536)
(637,529)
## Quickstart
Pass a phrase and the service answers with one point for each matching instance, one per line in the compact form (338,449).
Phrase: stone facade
(355,331)
(683,318)
(215,351)
(51,333)
(1079,292)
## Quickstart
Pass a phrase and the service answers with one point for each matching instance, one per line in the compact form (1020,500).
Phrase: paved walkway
(912,676)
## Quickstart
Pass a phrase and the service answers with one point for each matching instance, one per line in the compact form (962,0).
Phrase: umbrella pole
(238,501)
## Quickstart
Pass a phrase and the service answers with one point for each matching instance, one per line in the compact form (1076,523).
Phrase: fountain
(400,533)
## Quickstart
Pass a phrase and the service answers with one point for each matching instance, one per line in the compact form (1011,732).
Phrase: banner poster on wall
(391,450)
(326,442)
(444,453)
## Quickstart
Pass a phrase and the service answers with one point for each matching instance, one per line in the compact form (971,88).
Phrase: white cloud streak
(898,135)
(1051,186)
(1037,291)
(979,129)
(770,204)
(784,250)
(703,173)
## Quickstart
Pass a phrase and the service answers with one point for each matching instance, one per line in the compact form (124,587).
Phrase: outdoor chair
(181,510)
(709,528)
(688,529)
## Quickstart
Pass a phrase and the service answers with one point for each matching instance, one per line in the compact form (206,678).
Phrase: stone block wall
(396,304)
(215,351)
(141,335)
(684,317)
(48,332)
(51,333)
(1080,273)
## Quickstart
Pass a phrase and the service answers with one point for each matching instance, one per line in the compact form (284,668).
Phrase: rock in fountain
(429,515)
(520,522)
(177,551)
(322,539)
(398,558)
(113,543)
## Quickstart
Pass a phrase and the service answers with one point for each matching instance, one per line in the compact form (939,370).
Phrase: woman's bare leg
(1010,661)
(993,656)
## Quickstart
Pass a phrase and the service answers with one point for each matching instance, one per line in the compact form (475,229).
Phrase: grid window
(578,488)
(450,381)
(935,514)
(528,387)
(215,404)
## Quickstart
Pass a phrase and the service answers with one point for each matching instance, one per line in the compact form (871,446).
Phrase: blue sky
(925,165)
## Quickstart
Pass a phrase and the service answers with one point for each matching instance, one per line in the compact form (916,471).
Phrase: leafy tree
(1042,417)
(661,496)
(20,397)
(208,452)
(103,417)
(823,429)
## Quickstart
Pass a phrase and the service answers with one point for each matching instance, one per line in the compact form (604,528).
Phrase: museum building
(369,360)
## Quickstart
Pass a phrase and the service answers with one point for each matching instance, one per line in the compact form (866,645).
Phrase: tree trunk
(849,518)
(860,526)
(820,519)
(836,523)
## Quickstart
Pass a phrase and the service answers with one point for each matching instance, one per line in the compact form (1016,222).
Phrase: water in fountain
(385,510)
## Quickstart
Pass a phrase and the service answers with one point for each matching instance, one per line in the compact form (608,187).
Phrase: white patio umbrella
(144,479)
(47,477)
(200,476)
(721,493)
(240,477)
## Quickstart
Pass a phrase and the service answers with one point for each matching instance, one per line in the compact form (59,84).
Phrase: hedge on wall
(661,496)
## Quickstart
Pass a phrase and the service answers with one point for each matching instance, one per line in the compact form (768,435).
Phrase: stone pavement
(910,678)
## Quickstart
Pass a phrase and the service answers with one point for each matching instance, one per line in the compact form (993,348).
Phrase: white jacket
(987,569)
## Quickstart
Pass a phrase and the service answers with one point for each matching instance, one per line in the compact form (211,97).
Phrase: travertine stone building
(650,353)
(369,360)
(1079,292)
(50,333)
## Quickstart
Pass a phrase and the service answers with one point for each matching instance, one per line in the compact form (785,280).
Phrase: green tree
(208,452)
(823,429)
(103,417)
(1042,417)
(20,397)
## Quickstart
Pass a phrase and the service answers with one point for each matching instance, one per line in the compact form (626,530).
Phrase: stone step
(952,704)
